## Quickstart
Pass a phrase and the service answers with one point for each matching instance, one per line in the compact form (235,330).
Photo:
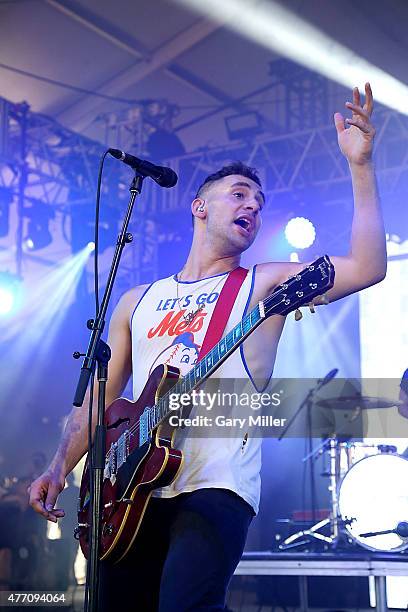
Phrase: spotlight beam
(35,328)
(270,24)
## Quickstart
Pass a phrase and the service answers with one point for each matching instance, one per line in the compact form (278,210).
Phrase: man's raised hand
(356,142)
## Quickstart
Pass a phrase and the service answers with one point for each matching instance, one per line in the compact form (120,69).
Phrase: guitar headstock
(314,280)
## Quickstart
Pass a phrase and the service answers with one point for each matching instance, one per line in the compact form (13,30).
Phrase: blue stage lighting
(10,293)
(300,233)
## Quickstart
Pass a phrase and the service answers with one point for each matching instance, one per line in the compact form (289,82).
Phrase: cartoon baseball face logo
(182,353)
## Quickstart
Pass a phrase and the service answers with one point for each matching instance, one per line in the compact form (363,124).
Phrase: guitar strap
(222,309)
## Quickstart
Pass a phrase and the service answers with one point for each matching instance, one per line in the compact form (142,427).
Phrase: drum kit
(368,487)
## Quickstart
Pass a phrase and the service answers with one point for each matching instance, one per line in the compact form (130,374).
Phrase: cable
(96,235)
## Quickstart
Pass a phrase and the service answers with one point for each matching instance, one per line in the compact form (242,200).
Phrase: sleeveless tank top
(161,335)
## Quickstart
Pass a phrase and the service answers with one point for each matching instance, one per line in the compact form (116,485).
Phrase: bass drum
(373,496)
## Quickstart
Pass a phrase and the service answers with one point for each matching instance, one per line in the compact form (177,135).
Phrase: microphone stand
(98,352)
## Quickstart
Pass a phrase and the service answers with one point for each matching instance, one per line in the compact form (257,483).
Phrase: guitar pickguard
(125,473)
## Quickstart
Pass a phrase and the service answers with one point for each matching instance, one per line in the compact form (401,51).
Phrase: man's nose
(253,204)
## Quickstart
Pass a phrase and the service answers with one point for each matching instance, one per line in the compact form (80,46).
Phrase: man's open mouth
(243,222)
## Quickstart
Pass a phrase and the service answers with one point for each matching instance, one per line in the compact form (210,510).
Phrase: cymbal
(352,402)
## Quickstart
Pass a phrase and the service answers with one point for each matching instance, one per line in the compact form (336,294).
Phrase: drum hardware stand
(332,445)
(313,532)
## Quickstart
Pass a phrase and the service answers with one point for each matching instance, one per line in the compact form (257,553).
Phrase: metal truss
(293,163)
(55,160)
(42,162)
(299,164)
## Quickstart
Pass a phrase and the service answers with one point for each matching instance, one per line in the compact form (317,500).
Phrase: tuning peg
(298,315)
(311,307)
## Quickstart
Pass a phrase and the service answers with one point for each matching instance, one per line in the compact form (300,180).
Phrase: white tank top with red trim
(161,335)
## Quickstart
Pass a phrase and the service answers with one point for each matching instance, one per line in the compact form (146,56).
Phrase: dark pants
(183,558)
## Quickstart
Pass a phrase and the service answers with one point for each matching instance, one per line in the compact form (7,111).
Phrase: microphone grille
(168,178)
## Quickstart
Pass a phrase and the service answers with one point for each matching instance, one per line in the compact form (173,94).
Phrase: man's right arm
(74,441)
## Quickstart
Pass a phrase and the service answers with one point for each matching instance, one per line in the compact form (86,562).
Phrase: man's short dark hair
(237,167)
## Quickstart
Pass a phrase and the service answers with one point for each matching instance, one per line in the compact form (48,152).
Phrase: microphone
(165,177)
(323,381)
(402,529)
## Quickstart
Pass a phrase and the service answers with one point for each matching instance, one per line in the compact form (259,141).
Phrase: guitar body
(132,470)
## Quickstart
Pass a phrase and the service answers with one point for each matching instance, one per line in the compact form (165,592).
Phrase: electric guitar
(140,456)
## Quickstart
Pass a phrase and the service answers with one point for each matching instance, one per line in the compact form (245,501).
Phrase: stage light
(277,28)
(38,234)
(38,237)
(300,232)
(244,125)
(90,246)
(10,293)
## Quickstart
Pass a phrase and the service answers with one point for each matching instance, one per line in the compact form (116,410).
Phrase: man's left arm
(366,262)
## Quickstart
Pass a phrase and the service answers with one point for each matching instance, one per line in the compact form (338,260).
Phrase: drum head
(374,496)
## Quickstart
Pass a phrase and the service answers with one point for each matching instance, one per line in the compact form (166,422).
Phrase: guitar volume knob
(108,529)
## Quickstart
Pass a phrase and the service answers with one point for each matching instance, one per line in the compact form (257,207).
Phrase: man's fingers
(38,506)
(51,498)
(369,101)
(54,515)
(357,110)
(361,124)
(339,122)
(50,515)
(58,512)
(356,97)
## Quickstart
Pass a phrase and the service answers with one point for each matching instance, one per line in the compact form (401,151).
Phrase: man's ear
(198,208)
